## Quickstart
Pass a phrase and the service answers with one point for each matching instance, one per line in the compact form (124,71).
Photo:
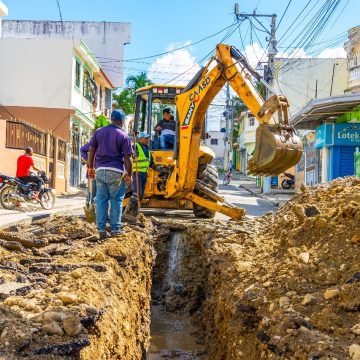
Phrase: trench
(176,300)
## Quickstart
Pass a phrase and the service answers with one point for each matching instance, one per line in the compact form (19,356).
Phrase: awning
(316,111)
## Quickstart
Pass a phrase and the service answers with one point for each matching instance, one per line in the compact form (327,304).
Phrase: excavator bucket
(277,148)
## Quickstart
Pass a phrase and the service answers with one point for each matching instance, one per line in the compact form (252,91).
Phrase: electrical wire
(59,8)
(170,51)
(314,28)
(282,16)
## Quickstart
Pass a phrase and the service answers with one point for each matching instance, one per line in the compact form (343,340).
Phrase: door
(75,157)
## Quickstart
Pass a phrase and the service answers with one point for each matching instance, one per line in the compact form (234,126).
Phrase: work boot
(116,233)
(103,235)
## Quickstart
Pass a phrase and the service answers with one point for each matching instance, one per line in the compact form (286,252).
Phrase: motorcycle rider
(24,164)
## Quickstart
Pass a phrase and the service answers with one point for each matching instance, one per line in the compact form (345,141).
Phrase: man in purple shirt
(113,164)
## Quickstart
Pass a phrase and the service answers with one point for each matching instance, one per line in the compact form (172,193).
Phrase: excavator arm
(277,147)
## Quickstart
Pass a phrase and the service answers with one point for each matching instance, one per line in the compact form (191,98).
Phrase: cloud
(254,54)
(179,64)
(333,53)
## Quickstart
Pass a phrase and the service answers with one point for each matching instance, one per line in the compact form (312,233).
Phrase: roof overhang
(318,110)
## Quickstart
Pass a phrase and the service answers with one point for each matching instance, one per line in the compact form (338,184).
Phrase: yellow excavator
(184,177)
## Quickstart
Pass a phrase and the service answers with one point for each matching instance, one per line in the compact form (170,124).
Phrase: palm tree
(125,101)
(137,81)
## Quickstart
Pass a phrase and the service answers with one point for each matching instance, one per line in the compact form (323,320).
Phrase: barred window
(21,136)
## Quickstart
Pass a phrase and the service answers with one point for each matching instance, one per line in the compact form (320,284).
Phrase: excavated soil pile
(64,295)
(287,285)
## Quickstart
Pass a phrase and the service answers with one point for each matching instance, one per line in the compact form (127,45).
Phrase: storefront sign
(347,134)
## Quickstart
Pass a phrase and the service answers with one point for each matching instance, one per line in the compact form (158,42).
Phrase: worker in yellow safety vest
(142,162)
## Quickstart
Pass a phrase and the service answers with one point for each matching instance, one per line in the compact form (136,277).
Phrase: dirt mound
(65,295)
(290,288)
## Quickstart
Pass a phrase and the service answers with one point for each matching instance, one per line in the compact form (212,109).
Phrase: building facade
(106,40)
(215,141)
(352,48)
(3,12)
(304,79)
(56,88)
(246,140)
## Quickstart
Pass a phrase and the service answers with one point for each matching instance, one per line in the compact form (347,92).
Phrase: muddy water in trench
(172,334)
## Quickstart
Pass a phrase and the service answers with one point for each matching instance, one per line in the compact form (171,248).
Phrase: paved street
(254,206)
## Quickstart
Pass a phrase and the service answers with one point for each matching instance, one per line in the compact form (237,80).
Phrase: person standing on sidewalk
(143,160)
(113,169)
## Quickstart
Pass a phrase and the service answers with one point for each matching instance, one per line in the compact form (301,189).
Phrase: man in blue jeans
(113,165)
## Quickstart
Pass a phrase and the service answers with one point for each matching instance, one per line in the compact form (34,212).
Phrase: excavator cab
(151,101)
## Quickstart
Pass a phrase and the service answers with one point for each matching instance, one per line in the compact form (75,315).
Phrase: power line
(59,8)
(226,36)
(282,16)
(170,51)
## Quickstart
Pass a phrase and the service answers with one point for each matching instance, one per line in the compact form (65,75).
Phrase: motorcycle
(289,182)
(227,178)
(2,181)
(14,191)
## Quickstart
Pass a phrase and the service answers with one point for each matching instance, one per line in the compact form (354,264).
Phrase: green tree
(101,121)
(125,101)
(135,82)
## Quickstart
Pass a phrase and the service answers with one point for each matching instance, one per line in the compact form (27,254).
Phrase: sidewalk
(277,196)
(66,202)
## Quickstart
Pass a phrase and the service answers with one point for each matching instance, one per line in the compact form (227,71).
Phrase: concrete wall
(297,79)
(218,149)
(37,73)
(106,40)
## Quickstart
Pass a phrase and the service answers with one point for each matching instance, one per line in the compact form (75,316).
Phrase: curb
(34,217)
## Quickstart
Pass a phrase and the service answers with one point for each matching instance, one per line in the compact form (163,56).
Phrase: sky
(158,26)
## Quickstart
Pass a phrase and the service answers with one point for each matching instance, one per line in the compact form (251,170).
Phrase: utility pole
(269,68)
(228,128)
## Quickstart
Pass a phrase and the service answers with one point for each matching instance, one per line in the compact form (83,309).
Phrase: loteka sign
(347,134)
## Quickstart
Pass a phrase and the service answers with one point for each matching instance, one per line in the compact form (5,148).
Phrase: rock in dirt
(354,352)
(72,326)
(356,329)
(308,299)
(331,293)
(68,298)
(52,328)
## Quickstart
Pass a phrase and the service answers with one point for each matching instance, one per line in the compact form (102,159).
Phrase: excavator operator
(166,127)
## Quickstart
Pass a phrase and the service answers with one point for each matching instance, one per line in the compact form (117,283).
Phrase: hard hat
(143,135)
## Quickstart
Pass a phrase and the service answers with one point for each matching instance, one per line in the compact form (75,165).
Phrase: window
(89,87)
(251,121)
(20,136)
(214,141)
(77,74)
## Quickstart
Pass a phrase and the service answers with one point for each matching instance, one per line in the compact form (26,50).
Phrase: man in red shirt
(24,164)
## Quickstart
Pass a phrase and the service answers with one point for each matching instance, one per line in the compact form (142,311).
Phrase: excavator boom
(187,176)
